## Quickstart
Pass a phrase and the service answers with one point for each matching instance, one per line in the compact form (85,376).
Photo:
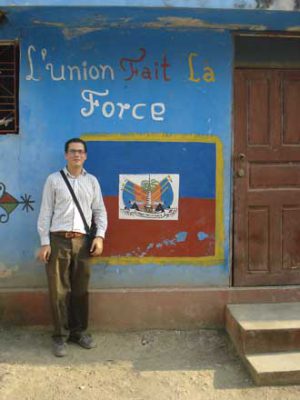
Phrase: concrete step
(264,328)
(275,368)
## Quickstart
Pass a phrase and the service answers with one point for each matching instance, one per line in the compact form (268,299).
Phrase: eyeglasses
(73,152)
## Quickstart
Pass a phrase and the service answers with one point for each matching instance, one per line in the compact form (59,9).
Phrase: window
(9,87)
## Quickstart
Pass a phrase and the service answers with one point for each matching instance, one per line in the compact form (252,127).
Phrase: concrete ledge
(139,309)
(235,331)
(264,328)
(275,368)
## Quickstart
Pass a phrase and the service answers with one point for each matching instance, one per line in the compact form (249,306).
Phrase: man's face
(75,155)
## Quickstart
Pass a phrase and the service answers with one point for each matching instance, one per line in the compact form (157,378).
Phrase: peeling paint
(101,23)
(294,28)
(48,23)
(181,237)
(7,272)
(169,242)
(178,22)
(97,23)
(138,252)
(71,33)
(202,236)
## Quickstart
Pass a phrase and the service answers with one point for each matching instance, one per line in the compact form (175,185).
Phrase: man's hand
(96,247)
(44,253)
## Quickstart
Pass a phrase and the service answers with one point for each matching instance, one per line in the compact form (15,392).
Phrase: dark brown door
(266,177)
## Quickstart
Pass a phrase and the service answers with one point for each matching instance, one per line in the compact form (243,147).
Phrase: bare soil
(128,366)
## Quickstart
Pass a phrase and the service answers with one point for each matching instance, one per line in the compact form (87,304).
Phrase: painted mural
(8,203)
(161,193)
(139,205)
(148,104)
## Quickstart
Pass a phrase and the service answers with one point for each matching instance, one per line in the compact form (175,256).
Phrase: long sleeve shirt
(59,212)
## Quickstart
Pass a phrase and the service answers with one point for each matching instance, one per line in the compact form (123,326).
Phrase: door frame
(269,34)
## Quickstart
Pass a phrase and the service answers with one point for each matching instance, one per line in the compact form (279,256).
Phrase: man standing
(66,248)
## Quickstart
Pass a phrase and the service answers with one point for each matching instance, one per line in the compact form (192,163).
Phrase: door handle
(241,173)
(241,157)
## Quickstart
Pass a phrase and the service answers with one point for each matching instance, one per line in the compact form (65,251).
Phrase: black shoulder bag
(90,231)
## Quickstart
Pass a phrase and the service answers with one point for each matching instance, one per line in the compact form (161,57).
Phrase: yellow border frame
(161,137)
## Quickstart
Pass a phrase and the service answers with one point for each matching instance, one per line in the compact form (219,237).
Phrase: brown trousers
(68,273)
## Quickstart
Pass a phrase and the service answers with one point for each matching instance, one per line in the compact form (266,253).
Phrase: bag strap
(86,227)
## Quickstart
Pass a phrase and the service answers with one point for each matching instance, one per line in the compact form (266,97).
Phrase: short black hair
(75,140)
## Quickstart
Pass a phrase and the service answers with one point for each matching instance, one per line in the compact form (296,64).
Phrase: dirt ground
(154,365)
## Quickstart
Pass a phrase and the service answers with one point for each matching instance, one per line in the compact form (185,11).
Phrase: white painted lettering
(94,72)
(31,77)
(134,114)
(84,65)
(123,106)
(139,111)
(157,114)
(50,67)
(105,68)
(88,96)
(106,113)
(72,68)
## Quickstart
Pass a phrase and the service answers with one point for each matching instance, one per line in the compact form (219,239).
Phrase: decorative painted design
(196,237)
(153,196)
(8,203)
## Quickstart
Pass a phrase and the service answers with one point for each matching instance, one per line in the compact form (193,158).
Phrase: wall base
(143,309)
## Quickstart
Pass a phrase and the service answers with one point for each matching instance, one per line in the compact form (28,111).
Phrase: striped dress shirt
(59,212)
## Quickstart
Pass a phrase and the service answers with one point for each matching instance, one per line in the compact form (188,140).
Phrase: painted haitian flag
(160,194)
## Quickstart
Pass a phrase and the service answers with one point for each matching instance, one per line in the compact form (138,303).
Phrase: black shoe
(59,348)
(85,341)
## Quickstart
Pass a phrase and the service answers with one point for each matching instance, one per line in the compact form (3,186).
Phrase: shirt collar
(83,172)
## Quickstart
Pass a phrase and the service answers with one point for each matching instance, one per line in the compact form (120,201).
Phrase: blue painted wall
(51,111)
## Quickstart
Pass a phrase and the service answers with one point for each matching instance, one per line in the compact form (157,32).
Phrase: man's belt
(69,234)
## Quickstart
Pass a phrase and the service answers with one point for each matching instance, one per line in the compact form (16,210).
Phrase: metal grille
(9,87)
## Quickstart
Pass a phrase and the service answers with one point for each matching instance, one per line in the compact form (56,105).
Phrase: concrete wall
(175,87)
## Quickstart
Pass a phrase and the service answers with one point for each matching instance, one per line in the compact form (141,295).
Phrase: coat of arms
(152,196)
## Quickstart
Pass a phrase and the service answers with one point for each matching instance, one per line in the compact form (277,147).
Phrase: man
(66,248)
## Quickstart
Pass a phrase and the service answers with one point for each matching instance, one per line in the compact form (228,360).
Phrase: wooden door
(266,177)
